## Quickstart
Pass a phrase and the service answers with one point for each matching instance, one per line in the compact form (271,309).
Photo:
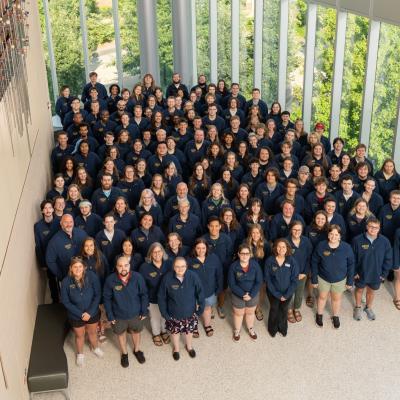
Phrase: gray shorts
(134,325)
(211,301)
(238,302)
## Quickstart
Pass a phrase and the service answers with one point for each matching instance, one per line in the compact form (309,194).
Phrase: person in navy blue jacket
(181,301)
(44,230)
(124,217)
(128,251)
(346,197)
(89,222)
(104,198)
(215,202)
(301,252)
(270,190)
(387,179)
(196,149)
(126,302)
(109,240)
(101,89)
(375,200)
(81,294)
(396,267)
(244,280)
(62,150)
(171,206)
(281,274)
(153,269)
(174,247)
(64,245)
(373,260)
(63,103)
(390,215)
(209,269)
(332,271)
(334,217)
(146,234)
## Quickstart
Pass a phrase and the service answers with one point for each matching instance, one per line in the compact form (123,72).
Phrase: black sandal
(196,333)
(209,330)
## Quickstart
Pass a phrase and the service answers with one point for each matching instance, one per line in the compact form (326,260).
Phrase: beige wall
(24,174)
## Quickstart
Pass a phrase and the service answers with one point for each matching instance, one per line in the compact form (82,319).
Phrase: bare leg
(79,339)
(370,297)
(175,341)
(238,314)
(322,298)
(92,335)
(188,340)
(207,316)
(358,296)
(136,340)
(397,284)
(336,300)
(122,343)
(249,311)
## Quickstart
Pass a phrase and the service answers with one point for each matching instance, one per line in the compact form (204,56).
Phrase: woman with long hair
(128,250)
(214,203)
(231,227)
(357,219)
(131,186)
(241,202)
(387,178)
(84,182)
(215,156)
(255,215)
(160,190)
(229,183)
(73,199)
(124,217)
(199,183)
(148,204)
(68,167)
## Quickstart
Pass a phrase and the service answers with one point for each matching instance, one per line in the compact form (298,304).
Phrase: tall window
(224,41)
(270,59)
(165,47)
(323,65)
(130,52)
(355,58)
(246,48)
(203,37)
(295,57)
(387,87)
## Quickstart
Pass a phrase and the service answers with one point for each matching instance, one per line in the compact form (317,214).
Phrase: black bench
(48,367)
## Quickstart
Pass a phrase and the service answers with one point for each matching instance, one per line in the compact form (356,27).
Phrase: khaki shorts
(134,325)
(335,287)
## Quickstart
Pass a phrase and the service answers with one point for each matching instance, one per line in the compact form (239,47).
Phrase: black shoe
(175,355)
(124,361)
(390,276)
(284,334)
(191,352)
(139,356)
(318,320)
(335,322)
(272,334)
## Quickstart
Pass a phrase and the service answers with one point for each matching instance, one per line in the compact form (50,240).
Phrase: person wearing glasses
(244,280)
(281,274)
(181,301)
(126,302)
(81,294)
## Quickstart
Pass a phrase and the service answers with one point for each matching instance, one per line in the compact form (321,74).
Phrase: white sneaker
(98,352)
(80,359)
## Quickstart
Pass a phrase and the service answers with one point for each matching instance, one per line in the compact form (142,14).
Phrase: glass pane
(101,43)
(165,49)
(355,59)
(295,58)
(269,86)
(224,41)
(203,37)
(323,65)
(128,23)
(387,86)
(246,47)
(67,44)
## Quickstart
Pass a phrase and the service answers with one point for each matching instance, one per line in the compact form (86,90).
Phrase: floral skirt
(186,325)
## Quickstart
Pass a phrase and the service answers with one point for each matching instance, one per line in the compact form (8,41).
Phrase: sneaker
(220,312)
(357,314)
(336,322)
(175,355)
(80,360)
(252,333)
(318,320)
(98,352)
(124,360)
(236,336)
(370,314)
(191,352)
(139,356)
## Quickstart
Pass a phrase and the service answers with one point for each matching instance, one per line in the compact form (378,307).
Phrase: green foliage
(165,49)
(224,41)
(246,56)
(202,37)
(99,25)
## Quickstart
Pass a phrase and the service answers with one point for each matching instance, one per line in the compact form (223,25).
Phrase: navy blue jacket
(210,273)
(209,209)
(302,254)
(354,227)
(241,282)
(78,300)
(155,211)
(298,203)
(337,219)
(333,265)
(396,249)
(390,221)
(142,242)
(132,191)
(157,166)
(218,122)
(103,272)
(101,204)
(43,232)
(110,249)
(188,231)
(101,90)
(373,261)
(282,279)
(312,205)
(278,228)
(316,236)
(63,106)
(343,206)
(193,155)
(171,206)
(61,249)
(91,163)
(57,155)
(128,301)
(152,276)
(91,225)
(385,186)
(180,300)
(375,203)
(126,222)
(269,198)
(222,247)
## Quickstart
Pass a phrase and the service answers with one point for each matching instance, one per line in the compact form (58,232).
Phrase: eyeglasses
(244,254)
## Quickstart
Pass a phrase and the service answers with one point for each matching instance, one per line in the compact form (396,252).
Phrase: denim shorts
(211,301)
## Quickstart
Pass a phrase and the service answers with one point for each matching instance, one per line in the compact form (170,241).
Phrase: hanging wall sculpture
(14,43)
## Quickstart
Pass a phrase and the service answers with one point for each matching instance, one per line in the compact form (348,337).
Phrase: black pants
(277,319)
(53,286)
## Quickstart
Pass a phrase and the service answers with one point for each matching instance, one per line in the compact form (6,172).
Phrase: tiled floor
(361,360)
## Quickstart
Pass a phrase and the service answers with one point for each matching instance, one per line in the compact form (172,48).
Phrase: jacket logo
(102,199)
(118,287)
(211,207)
(157,164)
(326,253)
(45,233)
(287,265)
(389,216)
(175,207)
(239,274)
(178,226)
(352,222)
(274,268)
(175,287)
(313,234)
(153,274)
(192,150)
(72,286)
(124,190)
(141,239)
(68,246)
(196,266)
(365,246)
(104,242)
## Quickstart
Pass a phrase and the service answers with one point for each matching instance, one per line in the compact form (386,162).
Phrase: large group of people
(160,206)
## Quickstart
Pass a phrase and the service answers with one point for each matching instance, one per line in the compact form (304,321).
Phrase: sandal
(310,301)
(259,314)
(297,315)
(397,304)
(290,317)
(196,333)
(165,338)
(157,340)
(209,330)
